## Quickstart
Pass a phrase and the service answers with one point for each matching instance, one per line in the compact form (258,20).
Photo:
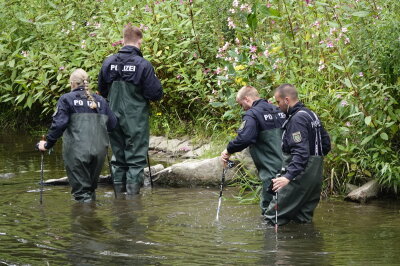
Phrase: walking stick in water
(41,173)
(148,163)
(230,164)
(276,212)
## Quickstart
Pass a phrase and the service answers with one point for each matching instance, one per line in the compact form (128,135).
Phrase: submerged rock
(193,173)
(7,175)
(103,179)
(364,193)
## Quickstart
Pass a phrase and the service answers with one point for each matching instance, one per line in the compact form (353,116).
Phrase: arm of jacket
(112,119)
(298,148)
(59,123)
(326,141)
(102,83)
(152,89)
(247,135)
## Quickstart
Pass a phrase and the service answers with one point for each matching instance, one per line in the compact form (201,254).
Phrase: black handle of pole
(151,177)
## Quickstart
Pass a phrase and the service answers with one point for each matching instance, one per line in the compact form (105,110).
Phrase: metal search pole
(151,177)
(41,173)
(230,164)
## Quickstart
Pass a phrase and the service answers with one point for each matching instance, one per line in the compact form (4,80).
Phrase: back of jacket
(128,65)
(76,103)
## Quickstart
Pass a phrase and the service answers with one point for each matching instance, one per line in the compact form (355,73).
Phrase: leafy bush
(342,55)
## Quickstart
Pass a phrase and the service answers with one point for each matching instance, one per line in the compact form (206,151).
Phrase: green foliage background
(342,55)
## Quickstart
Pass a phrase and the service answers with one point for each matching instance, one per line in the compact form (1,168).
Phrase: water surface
(170,226)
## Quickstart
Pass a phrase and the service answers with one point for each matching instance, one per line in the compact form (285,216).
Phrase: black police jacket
(76,102)
(261,116)
(303,137)
(129,65)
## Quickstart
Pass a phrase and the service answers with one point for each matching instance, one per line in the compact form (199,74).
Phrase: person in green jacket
(261,132)
(128,81)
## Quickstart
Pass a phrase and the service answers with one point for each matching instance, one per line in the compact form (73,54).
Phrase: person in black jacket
(304,144)
(128,81)
(261,132)
(83,119)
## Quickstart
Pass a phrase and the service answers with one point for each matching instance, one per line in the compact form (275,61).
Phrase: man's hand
(279,183)
(225,157)
(41,145)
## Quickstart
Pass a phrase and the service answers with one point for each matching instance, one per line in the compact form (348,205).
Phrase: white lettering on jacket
(129,68)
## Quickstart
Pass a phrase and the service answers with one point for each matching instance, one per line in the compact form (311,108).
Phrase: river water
(173,226)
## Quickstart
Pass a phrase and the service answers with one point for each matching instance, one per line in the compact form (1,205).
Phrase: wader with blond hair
(128,81)
(83,119)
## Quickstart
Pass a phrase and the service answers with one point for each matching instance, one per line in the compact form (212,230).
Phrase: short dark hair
(132,34)
(287,90)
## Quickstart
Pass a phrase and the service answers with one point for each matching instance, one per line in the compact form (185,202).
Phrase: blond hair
(248,91)
(80,78)
(132,34)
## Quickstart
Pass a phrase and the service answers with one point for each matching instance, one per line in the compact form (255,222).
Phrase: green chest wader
(299,198)
(84,149)
(267,156)
(130,139)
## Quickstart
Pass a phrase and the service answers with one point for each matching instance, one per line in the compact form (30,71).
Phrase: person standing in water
(128,81)
(261,132)
(84,120)
(305,142)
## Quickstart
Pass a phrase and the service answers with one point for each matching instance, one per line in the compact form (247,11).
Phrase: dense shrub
(342,55)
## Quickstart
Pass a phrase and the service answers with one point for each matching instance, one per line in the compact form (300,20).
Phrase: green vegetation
(342,55)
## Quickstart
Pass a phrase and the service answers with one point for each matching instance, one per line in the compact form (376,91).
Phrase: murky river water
(173,226)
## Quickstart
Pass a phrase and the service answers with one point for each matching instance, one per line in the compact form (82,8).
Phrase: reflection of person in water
(87,230)
(294,244)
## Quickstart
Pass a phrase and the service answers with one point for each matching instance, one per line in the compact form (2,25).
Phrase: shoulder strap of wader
(316,125)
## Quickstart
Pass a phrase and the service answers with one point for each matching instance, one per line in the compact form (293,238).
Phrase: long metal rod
(276,212)
(148,163)
(221,186)
(111,175)
(41,177)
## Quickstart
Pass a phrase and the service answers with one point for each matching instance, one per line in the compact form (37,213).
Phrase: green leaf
(338,67)
(11,63)
(348,83)
(366,140)
(384,136)
(367,120)
(360,14)
(252,21)
(69,14)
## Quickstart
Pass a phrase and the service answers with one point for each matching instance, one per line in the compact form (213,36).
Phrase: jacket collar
(295,108)
(80,88)
(131,49)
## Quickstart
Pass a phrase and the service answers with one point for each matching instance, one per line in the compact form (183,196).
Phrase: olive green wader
(267,156)
(130,139)
(85,144)
(298,199)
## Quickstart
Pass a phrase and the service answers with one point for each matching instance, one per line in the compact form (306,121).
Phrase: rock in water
(193,173)
(364,193)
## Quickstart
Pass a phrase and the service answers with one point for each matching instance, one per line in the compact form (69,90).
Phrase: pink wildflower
(348,124)
(218,70)
(61,68)
(361,74)
(231,25)
(329,44)
(235,3)
(344,103)
(266,53)
(253,49)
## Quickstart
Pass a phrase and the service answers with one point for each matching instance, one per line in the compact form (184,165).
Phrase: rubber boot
(132,189)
